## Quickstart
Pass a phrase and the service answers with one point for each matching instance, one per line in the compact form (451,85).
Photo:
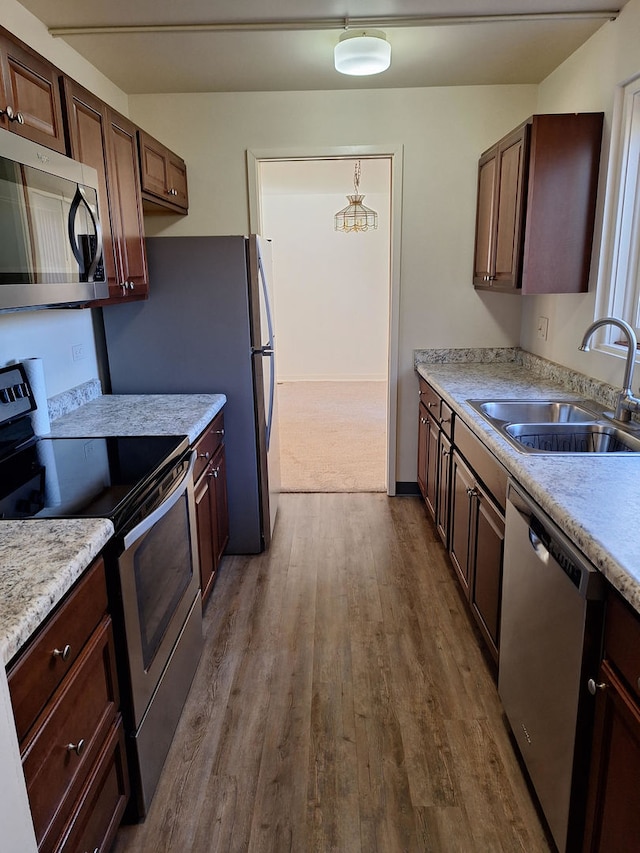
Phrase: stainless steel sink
(534,411)
(572,438)
(556,426)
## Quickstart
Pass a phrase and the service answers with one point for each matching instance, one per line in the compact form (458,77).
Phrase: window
(619,275)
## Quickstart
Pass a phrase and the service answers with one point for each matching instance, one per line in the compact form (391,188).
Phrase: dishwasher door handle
(542,552)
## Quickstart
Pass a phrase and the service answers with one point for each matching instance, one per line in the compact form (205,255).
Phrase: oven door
(159,582)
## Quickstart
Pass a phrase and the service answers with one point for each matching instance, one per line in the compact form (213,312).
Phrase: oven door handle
(168,503)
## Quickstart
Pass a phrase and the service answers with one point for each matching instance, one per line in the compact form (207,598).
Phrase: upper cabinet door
(512,174)
(502,174)
(485,231)
(30,95)
(163,176)
(127,224)
(87,128)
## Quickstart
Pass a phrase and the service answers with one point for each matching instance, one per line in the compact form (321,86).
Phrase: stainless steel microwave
(50,235)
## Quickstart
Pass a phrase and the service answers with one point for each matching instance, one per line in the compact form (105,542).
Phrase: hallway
(342,702)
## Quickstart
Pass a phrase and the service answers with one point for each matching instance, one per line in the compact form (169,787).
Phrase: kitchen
(442,131)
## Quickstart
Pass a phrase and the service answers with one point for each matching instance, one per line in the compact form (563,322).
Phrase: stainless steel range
(144,484)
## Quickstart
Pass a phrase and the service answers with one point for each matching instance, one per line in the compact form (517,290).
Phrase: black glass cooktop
(84,477)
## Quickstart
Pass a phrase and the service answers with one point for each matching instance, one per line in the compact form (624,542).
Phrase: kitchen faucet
(626,402)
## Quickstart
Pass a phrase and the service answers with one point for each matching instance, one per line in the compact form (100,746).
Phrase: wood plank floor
(342,702)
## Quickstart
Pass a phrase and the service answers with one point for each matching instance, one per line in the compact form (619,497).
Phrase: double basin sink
(556,426)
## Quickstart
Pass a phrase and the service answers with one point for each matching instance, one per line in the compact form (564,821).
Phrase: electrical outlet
(543,328)
(78,352)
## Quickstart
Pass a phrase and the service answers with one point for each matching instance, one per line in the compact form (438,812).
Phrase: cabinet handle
(131,285)
(64,653)
(446,453)
(11,115)
(76,747)
(431,404)
(218,431)
(423,420)
(593,686)
(472,492)
(204,455)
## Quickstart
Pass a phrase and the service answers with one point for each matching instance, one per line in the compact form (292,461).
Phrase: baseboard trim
(407,488)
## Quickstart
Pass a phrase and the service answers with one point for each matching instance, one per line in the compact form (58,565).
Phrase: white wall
(585,82)
(331,288)
(442,131)
(50,334)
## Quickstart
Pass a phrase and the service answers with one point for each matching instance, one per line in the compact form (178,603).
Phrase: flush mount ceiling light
(355,216)
(362,52)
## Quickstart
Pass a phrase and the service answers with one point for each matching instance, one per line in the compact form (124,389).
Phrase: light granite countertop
(594,500)
(40,559)
(140,414)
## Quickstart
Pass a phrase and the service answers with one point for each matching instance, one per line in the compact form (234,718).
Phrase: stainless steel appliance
(51,246)
(144,484)
(551,629)
(208,327)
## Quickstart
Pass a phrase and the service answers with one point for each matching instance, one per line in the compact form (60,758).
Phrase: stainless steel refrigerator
(207,327)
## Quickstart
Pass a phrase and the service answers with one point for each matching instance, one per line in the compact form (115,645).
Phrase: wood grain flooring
(342,704)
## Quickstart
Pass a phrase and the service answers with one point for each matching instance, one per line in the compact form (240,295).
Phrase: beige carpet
(332,436)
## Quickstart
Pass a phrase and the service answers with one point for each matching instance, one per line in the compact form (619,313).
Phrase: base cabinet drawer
(98,812)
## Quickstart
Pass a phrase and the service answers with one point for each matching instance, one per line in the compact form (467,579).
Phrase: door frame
(395,153)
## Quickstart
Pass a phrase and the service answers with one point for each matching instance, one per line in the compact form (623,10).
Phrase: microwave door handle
(169,502)
(78,199)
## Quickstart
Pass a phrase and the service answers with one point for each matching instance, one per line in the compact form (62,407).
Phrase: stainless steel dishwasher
(551,629)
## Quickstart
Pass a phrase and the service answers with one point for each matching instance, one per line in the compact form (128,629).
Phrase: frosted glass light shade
(362,53)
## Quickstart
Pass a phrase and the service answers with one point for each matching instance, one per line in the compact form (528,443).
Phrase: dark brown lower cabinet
(64,689)
(476,548)
(211,502)
(613,805)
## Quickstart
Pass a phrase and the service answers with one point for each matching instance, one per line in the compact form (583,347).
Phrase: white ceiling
(297,53)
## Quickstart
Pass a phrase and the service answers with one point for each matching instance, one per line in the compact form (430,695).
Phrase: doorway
(335,300)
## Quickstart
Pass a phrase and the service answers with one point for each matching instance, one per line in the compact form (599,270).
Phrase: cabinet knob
(204,455)
(593,686)
(218,431)
(423,420)
(471,492)
(431,404)
(76,747)
(131,285)
(62,653)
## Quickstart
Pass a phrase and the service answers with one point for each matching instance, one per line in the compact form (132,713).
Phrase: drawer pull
(64,653)
(204,455)
(593,686)
(217,431)
(76,747)
(431,404)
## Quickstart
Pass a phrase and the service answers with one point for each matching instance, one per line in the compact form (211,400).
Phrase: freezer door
(263,352)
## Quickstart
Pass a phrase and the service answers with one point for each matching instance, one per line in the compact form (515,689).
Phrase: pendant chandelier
(355,216)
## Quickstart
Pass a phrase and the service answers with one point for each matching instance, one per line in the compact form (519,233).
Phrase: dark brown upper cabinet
(536,206)
(163,176)
(102,138)
(30,94)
